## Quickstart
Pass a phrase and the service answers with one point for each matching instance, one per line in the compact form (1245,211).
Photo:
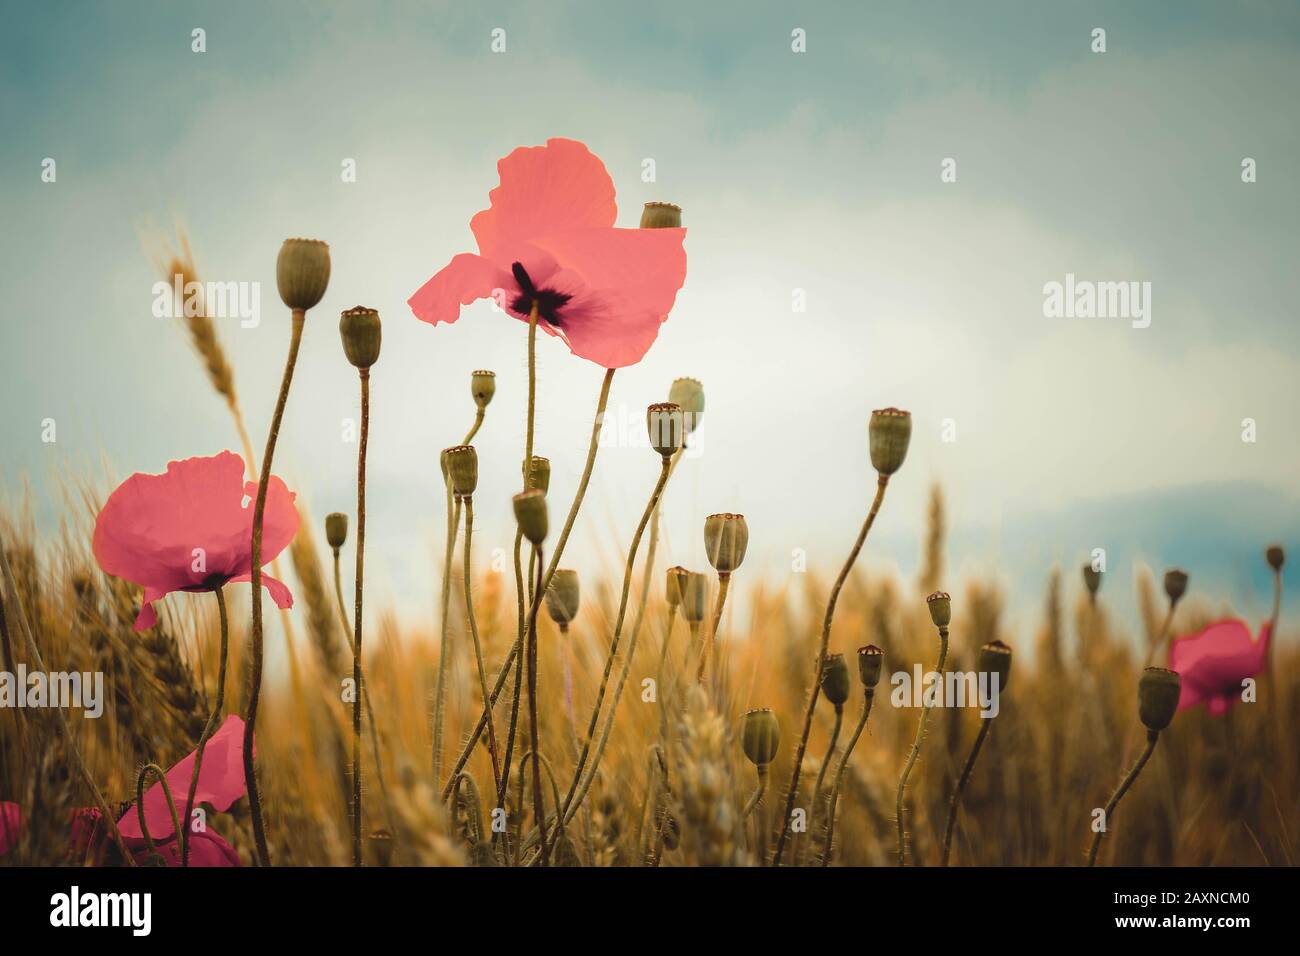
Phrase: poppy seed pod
(675,582)
(1276,557)
(562,597)
(1091,579)
(661,215)
(995,658)
(725,538)
(689,394)
(890,431)
(361,333)
(336,529)
(663,420)
(1158,692)
(835,679)
(760,735)
(483,385)
(871,660)
(1175,584)
(530,512)
(302,272)
(462,465)
(538,477)
(940,605)
(695,596)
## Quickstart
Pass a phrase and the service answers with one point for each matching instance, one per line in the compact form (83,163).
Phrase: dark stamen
(548,301)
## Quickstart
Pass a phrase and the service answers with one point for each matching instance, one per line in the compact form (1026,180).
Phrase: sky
(832,269)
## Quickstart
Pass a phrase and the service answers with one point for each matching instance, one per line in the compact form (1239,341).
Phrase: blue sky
(816,171)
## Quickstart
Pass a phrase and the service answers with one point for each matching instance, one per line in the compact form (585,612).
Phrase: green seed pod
(539,476)
(462,465)
(336,529)
(835,679)
(676,581)
(1276,557)
(562,597)
(871,660)
(530,512)
(1091,580)
(1175,584)
(663,420)
(483,385)
(695,596)
(1158,692)
(940,605)
(361,332)
(995,658)
(890,432)
(760,736)
(302,272)
(689,394)
(725,538)
(661,215)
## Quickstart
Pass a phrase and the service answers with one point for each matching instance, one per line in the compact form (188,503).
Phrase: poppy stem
(760,788)
(916,751)
(826,762)
(259,514)
(539,809)
(473,630)
(793,792)
(1152,737)
(868,698)
(357,598)
(440,692)
(955,804)
(724,582)
(211,725)
(141,777)
(504,781)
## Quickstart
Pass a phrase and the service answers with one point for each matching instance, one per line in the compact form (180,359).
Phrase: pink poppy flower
(191,529)
(549,239)
(1213,663)
(89,840)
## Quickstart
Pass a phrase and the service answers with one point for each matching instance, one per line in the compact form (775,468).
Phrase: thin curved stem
(1152,737)
(1164,633)
(793,790)
(141,777)
(539,809)
(955,804)
(826,762)
(444,655)
(473,430)
(916,751)
(724,582)
(259,514)
(664,701)
(209,729)
(869,697)
(759,789)
(473,630)
(513,726)
(356,627)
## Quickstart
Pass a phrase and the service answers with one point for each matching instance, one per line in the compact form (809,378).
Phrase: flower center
(547,301)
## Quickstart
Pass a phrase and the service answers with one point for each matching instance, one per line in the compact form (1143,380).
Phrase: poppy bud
(1158,692)
(725,539)
(462,465)
(890,432)
(760,735)
(562,597)
(663,421)
(336,529)
(483,385)
(1175,584)
(361,332)
(695,596)
(835,679)
(995,658)
(661,215)
(676,581)
(871,660)
(1091,579)
(689,394)
(1276,557)
(940,605)
(302,271)
(530,512)
(539,476)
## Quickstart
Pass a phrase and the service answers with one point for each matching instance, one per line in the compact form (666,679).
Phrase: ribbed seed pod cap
(995,658)
(562,597)
(890,432)
(1175,584)
(760,736)
(695,596)
(835,679)
(1158,692)
(530,512)
(360,330)
(661,215)
(336,529)
(1276,557)
(538,476)
(689,394)
(871,660)
(663,420)
(725,538)
(940,605)
(1091,579)
(302,272)
(675,582)
(483,385)
(462,465)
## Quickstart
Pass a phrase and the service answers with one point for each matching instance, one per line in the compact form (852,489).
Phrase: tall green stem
(211,727)
(955,804)
(440,691)
(759,789)
(473,630)
(141,777)
(916,751)
(1152,737)
(539,809)
(356,627)
(829,847)
(724,582)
